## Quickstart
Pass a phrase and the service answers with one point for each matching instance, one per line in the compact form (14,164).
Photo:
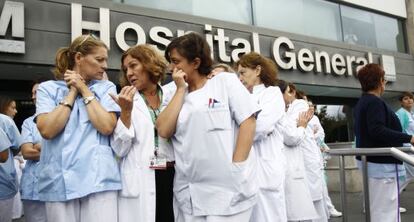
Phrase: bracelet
(64,103)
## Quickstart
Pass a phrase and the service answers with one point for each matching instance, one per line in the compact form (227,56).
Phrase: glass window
(312,18)
(337,122)
(238,11)
(370,29)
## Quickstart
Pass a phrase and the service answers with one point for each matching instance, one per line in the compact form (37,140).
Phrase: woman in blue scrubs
(34,210)
(75,115)
(9,140)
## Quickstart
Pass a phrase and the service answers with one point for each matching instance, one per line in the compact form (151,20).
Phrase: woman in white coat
(259,75)
(312,155)
(146,165)
(211,124)
(299,203)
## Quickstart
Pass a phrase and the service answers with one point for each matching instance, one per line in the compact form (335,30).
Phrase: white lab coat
(207,182)
(268,144)
(299,203)
(311,154)
(317,129)
(135,147)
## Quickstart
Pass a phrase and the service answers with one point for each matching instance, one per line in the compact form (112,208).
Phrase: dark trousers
(164,195)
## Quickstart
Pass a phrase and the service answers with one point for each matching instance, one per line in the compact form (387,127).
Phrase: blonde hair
(152,62)
(224,66)
(65,56)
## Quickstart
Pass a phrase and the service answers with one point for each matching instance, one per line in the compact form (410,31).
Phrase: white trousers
(100,207)
(34,211)
(383,199)
(6,210)
(135,209)
(328,202)
(240,217)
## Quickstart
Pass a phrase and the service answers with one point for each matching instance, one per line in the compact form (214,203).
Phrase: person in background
(406,117)
(9,140)
(259,74)
(75,115)
(319,136)
(221,67)
(211,124)
(312,157)
(146,163)
(376,125)
(299,203)
(34,209)
(8,107)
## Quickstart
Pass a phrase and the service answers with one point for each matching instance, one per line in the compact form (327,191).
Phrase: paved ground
(355,206)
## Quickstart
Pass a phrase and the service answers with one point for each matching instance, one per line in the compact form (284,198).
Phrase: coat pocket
(271,176)
(243,176)
(131,184)
(107,170)
(50,177)
(218,119)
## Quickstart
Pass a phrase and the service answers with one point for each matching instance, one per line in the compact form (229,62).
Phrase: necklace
(154,93)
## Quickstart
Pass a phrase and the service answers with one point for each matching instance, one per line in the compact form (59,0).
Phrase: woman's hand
(74,81)
(179,77)
(125,99)
(304,118)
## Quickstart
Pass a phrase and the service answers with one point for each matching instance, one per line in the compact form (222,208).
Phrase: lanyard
(154,112)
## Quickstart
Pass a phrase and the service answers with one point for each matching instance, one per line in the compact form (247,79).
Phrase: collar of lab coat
(140,104)
(258,88)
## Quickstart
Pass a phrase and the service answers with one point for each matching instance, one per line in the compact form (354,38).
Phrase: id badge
(158,163)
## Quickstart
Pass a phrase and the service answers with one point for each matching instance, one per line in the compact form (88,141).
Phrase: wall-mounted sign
(283,49)
(286,55)
(12,15)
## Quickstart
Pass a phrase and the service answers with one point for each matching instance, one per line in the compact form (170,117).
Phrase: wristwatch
(88,99)
(64,103)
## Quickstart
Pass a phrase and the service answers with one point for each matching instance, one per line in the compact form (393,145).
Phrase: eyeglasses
(90,35)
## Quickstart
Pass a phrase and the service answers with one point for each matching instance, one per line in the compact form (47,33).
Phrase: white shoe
(334,213)
(402,210)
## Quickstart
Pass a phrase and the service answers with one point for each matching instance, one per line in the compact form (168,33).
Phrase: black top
(376,125)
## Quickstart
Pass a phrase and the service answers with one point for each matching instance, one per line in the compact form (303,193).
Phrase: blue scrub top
(10,139)
(28,185)
(79,160)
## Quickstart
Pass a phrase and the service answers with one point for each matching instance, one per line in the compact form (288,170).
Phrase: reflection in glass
(370,29)
(238,11)
(315,18)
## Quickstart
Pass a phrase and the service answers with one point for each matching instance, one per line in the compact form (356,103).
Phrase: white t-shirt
(207,182)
